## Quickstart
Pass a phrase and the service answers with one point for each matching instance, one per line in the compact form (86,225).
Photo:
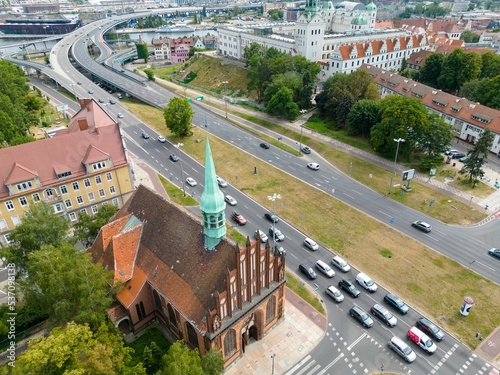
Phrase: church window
(141,312)
(270,309)
(229,343)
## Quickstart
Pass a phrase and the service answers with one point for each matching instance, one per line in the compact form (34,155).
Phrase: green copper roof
(371,6)
(359,20)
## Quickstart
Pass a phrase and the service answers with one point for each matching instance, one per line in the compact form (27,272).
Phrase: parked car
(325,269)
(112,101)
(349,288)
(366,282)
(145,135)
(120,115)
(230,200)
(238,218)
(265,145)
(161,139)
(361,316)
(426,326)
(271,217)
(313,166)
(307,270)
(310,244)
(422,225)
(280,249)
(384,315)
(173,157)
(457,155)
(494,252)
(450,151)
(334,293)
(222,183)
(260,234)
(305,150)
(422,340)
(463,159)
(341,264)
(191,181)
(90,92)
(402,349)
(397,303)
(101,100)
(278,236)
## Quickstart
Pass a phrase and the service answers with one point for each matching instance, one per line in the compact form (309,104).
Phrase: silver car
(334,293)
(341,264)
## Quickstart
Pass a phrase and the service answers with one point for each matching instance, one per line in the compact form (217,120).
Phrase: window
(16,220)
(49,193)
(58,207)
(112,190)
(63,189)
(83,210)
(94,209)
(141,312)
(24,186)
(72,216)
(7,238)
(9,205)
(98,180)
(91,196)
(3,224)
(64,174)
(270,308)
(229,343)
(100,165)
(86,182)
(115,201)
(75,185)
(36,197)
(68,203)
(109,176)
(23,201)
(79,199)
(102,194)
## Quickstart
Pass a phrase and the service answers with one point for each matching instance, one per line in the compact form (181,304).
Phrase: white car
(341,264)
(120,115)
(191,181)
(230,200)
(310,244)
(261,235)
(313,166)
(161,139)
(334,293)
(221,182)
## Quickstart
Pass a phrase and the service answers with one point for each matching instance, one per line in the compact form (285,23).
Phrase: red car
(238,218)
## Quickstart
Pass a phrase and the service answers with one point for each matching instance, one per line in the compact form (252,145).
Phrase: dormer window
(455,108)
(481,118)
(64,174)
(439,103)
(100,165)
(24,186)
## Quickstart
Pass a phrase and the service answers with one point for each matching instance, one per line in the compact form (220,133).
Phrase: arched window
(270,309)
(171,315)
(229,343)
(192,336)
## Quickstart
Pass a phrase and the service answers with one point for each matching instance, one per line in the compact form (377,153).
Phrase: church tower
(212,205)
(310,32)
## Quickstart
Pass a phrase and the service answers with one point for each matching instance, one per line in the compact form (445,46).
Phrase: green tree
(178,114)
(431,70)
(476,157)
(250,50)
(282,104)
(490,66)
(204,11)
(150,73)
(76,350)
(363,115)
(458,68)
(151,358)
(469,37)
(180,360)
(142,51)
(212,362)
(66,285)
(87,228)
(407,13)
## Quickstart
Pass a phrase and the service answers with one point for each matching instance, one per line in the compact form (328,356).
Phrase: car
(278,236)
(349,288)
(120,115)
(112,101)
(422,340)
(361,316)
(457,155)
(90,92)
(260,234)
(101,100)
(280,249)
(426,326)
(238,218)
(463,159)
(162,139)
(230,200)
(341,264)
(313,166)
(397,303)
(450,151)
(78,83)
(265,145)
(402,349)
(191,181)
(494,252)
(271,217)
(173,157)
(145,135)
(384,315)
(325,269)
(307,270)
(222,183)
(305,150)
(422,225)
(334,293)
(366,282)
(310,244)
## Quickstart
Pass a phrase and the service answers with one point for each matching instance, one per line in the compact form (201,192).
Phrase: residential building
(172,49)
(469,119)
(416,60)
(184,273)
(82,167)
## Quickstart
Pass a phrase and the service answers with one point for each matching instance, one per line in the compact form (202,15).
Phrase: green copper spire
(212,205)
(311,7)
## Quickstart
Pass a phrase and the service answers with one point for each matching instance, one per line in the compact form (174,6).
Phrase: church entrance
(253,332)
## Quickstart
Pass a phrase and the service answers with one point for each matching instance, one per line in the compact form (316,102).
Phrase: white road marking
(298,365)
(356,341)
(332,363)
(484,265)
(350,196)
(383,213)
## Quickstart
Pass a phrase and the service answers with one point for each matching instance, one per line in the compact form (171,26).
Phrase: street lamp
(224,96)
(273,216)
(178,146)
(272,357)
(395,159)
(301,128)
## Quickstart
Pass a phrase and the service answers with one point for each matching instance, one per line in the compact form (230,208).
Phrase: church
(183,272)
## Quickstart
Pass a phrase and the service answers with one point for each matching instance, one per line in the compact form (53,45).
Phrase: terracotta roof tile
(94,155)
(116,312)
(132,288)
(19,173)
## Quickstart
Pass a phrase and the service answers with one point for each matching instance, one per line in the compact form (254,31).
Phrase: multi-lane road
(347,347)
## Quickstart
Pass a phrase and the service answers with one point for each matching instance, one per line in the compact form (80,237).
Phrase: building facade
(184,273)
(79,169)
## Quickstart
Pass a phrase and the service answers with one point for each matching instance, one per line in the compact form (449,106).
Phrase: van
(422,340)
(366,282)
(402,349)
(325,269)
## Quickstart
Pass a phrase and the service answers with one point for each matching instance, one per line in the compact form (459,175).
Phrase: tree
(178,114)
(282,104)
(40,226)
(490,66)
(476,157)
(458,68)
(180,360)
(213,362)
(75,349)
(431,70)
(469,37)
(150,73)
(151,358)
(250,50)
(88,227)
(363,115)
(142,51)
(66,285)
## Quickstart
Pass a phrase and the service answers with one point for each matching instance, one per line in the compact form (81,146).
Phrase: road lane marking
(484,265)
(306,367)
(357,340)
(314,370)
(298,365)
(357,192)
(444,234)
(350,196)
(383,213)
(332,363)
(434,238)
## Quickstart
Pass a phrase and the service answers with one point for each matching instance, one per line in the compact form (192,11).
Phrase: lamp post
(272,357)
(300,146)
(273,198)
(178,146)
(224,96)
(395,160)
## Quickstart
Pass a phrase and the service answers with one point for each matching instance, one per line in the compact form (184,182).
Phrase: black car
(307,270)
(396,303)
(457,155)
(271,217)
(384,315)
(265,145)
(349,288)
(426,326)
(306,150)
(145,135)
(361,316)
(173,157)
(422,225)
(494,253)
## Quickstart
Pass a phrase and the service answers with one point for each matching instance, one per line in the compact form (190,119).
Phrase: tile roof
(19,173)
(418,58)
(116,312)
(91,116)
(132,288)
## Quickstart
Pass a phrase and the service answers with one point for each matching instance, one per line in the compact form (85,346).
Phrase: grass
(304,291)
(357,237)
(176,195)
(150,335)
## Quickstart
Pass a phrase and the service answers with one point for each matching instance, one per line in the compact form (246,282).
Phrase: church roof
(359,20)
(371,6)
(212,199)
